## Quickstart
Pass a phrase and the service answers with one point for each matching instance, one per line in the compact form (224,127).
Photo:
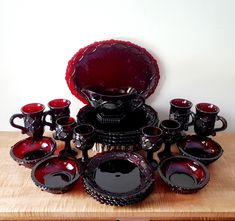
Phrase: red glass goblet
(151,141)
(84,138)
(170,133)
(64,131)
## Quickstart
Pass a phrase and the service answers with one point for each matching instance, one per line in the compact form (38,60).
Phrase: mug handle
(13,117)
(193,118)
(224,124)
(44,119)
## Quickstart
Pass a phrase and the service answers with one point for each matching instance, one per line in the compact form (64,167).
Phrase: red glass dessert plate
(203,149)
(28,152)
(56,174)
(112,64)
(183,174)
(118,178)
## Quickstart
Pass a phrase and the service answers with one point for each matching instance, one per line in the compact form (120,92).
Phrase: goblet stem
(67,149)
(84,155)
(166,152)
(150,159)
(149,156)
(54,135)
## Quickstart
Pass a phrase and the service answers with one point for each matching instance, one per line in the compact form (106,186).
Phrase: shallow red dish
(28,152)
(56,174)
(112,64)
(203,149)
(118,178)
(183,174)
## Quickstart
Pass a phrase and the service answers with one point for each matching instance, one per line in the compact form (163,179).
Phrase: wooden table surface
(20,199)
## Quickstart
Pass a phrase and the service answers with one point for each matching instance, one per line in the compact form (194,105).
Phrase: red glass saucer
(56,174)
(203,149)
(28,152)
(112,64)
(183,174)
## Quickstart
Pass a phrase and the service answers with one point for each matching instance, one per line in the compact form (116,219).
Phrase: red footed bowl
(183,174)
(28,152)
(56,174)
(203,149)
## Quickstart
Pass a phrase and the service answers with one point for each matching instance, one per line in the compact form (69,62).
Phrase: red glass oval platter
(112,64)
(28,152)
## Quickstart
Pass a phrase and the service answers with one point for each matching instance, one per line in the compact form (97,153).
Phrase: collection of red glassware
(113,78)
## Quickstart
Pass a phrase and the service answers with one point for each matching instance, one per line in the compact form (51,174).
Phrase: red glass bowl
(28,152)
(183,174)
(56,174)
(112,64)
(203,149)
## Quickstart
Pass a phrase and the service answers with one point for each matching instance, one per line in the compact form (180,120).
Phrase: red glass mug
(58,108)
(33,125)
(205,118)
(180,111)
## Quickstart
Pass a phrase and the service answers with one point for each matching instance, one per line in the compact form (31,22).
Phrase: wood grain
(20,199)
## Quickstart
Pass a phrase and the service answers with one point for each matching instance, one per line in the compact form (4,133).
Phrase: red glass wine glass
(151,141)
(84,138)
(64,131)
(170,132)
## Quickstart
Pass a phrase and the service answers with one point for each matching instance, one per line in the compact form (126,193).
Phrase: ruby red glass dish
(203,149)
(56,174)
(28,152)
(126,133)
(118,178)
(112,64)
(183,174)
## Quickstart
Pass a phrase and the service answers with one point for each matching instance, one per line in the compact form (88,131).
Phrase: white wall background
(193,41)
